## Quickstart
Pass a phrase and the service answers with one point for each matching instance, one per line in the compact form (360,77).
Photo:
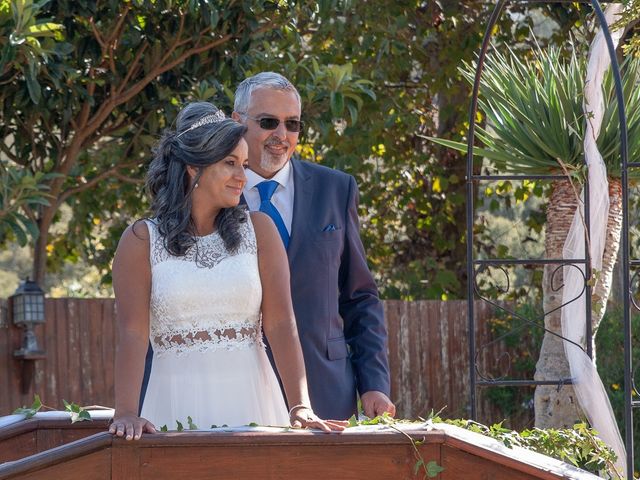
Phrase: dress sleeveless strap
(155,242)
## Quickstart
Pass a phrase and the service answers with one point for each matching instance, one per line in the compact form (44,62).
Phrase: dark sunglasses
(270,123)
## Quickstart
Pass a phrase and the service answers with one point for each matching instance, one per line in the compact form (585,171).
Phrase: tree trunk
(557,407)
(39,267)
(602,288)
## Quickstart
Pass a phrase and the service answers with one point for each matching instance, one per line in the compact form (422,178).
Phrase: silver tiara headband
(217,117)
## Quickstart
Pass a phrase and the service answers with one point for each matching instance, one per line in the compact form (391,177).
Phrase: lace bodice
(206,299)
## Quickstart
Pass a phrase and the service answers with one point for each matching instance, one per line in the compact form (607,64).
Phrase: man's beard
(273,163)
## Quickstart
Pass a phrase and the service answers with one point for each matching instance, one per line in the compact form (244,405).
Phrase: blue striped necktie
(266,190)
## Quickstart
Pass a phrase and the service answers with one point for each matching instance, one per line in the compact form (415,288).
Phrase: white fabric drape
(588,386)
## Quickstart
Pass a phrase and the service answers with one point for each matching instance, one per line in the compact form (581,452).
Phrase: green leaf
(433,469)
(337,104)
(84,415)
(353,112)
(384,419)
(17,230)
(214,17)
(417,466)
(192,426)
(78,413)
(353,421)
(180,427)
(30,411)
(30,226)
(33,86)
(47,29)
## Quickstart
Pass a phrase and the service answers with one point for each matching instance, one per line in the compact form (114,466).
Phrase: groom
(339,315)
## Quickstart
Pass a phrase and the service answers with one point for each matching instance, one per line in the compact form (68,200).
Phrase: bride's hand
(304,417)
(130,426)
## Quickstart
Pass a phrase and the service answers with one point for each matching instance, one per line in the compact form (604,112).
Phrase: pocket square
(330,228)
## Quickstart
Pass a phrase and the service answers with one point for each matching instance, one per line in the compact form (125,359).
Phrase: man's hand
(376,403)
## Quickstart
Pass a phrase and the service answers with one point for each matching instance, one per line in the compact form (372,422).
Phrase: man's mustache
(276,143)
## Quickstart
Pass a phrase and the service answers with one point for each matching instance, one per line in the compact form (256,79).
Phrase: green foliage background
(373,77)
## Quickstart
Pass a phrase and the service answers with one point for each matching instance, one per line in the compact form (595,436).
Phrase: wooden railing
(32,436)
(249,454)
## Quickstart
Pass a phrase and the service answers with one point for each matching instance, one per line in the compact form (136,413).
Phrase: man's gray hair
(271,80)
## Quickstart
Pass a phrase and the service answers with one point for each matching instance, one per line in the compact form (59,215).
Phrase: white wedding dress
(209,360)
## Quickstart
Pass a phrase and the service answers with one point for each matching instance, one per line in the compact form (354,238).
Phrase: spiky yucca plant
(535,115)
(535,125)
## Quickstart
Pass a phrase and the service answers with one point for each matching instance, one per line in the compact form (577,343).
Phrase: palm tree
(535,113)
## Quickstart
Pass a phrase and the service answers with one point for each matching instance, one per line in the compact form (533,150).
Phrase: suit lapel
(302,196)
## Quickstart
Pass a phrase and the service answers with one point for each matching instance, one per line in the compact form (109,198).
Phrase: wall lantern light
(28,310)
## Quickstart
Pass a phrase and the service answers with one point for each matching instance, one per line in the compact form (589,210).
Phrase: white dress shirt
(282,198)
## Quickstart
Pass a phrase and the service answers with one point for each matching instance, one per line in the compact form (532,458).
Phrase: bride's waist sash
(181,340)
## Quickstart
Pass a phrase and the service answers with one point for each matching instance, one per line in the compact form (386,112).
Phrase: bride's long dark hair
(168,182)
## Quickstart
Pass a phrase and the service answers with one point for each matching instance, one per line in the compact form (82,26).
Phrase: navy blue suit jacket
(339,315)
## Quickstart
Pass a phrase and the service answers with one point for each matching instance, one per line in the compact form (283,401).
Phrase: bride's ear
(192,172)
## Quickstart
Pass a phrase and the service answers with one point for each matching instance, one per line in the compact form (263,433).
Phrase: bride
(201,281)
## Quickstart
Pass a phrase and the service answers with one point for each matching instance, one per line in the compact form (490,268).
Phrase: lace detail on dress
(208,250)
(206,299)
(231,337)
